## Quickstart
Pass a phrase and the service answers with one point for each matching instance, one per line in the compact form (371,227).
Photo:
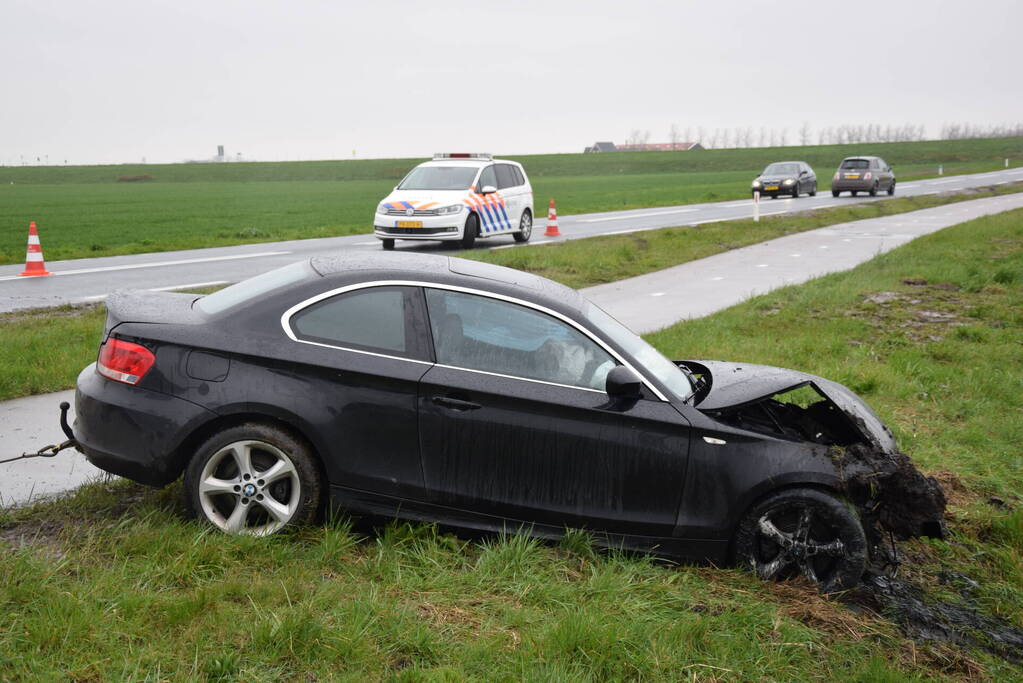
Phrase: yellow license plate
(770,187)
(852,176)
(409,224)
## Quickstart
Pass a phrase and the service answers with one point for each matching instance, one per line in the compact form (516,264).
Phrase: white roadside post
(756,206)
(941,169)
(1007,162)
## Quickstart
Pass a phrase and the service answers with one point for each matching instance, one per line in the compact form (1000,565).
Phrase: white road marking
(191,285)
(715,279)
(156,264)
(366,244)
(825,206)
(657,294)
(636,215)
(761,265)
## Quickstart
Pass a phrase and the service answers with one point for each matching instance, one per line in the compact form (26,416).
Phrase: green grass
(111,583)
(83,211)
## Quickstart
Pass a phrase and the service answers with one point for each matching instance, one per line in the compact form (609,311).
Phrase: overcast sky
(108,82)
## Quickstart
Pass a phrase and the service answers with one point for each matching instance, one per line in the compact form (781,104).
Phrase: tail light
(838,176)
(124,361)
(867,176)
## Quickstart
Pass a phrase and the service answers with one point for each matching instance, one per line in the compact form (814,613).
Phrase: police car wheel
(472,227)
(387,244)
(525,227)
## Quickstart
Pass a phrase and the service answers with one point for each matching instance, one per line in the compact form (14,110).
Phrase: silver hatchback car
(863,174)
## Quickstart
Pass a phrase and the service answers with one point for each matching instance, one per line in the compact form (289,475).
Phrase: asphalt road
(644,303)
(84,280)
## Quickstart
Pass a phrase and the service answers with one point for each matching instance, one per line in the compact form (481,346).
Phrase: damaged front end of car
(891,495)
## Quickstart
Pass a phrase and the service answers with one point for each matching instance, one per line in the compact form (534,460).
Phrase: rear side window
(520,179)
(367,319)
(505,177)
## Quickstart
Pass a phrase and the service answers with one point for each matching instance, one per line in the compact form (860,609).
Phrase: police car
(458,198)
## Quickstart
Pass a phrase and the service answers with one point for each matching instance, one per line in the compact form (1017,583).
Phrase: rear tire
(387,243)
(835,193)
(873,190)
(803,532)
(254,479)
(472,228)
(525,227)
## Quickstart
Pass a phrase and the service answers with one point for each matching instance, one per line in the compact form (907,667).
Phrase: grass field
(113,583)
(83,211)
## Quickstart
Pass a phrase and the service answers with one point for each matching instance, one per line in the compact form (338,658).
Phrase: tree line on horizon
(742,137)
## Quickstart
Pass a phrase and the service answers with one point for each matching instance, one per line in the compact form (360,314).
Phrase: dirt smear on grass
(924,619)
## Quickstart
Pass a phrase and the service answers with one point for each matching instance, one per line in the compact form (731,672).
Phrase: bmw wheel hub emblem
(249,490)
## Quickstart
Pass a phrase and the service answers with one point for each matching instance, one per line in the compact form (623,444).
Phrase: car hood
(734,384)
(420,198)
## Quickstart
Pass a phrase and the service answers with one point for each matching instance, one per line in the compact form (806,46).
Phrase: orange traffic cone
(552,221)
(34,264)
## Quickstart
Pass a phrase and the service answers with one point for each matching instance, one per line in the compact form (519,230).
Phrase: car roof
(859,156)
(448,270)
(468,162)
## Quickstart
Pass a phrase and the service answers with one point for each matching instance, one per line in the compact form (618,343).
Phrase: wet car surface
(437,389)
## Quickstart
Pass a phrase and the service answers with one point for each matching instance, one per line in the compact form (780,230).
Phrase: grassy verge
(112,583)
(83,211)
(596,260)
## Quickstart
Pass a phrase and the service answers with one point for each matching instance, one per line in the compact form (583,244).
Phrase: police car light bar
(464,155)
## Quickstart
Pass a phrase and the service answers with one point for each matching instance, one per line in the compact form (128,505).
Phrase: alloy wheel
(249,487)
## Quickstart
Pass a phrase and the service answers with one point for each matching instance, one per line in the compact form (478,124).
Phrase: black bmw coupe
(441,389)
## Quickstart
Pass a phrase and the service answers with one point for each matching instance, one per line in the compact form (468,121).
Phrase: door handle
(455,404)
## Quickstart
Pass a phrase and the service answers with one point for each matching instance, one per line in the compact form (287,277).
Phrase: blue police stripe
(407,205)
(507,223)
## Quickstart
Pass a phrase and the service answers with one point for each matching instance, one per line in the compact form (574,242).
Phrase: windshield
(246,290)
(650,358)
(782,169)
(856,163)
(439,178)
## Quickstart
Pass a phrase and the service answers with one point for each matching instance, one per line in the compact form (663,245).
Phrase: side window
(519,178)
(480,333)
(505,177)
(374,319)
(488,177)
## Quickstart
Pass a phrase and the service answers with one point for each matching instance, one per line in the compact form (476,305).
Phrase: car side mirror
(488,189)
(802,173)
(622,383)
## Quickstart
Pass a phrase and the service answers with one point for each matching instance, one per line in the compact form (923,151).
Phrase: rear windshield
(856,163)
(782,169)
(439,178)
(254,287)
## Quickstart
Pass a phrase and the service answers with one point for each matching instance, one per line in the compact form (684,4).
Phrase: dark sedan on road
(786,177)
(863,174)
(441,389)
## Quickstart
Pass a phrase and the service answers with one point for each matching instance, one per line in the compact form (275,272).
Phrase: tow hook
(53,449)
